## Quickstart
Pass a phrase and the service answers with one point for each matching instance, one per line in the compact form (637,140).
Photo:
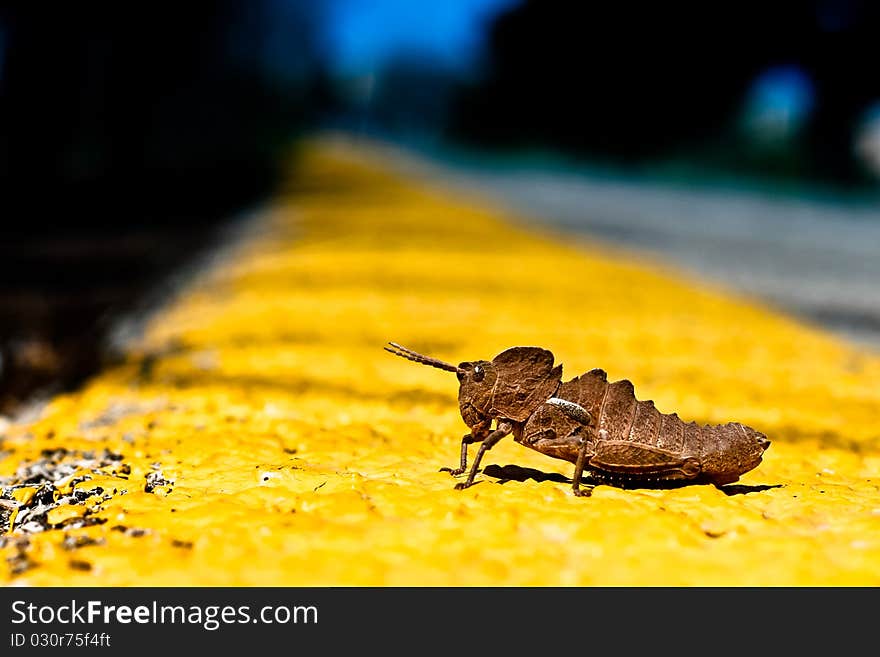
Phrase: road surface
(817,257)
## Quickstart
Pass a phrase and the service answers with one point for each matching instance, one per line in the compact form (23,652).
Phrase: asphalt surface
(817,257)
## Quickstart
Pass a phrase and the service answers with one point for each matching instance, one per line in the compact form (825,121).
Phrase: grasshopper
(598,426)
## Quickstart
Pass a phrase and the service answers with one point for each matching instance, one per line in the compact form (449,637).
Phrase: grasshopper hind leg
(628,463)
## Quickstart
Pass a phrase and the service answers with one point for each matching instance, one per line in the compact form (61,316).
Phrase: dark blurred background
(132,133)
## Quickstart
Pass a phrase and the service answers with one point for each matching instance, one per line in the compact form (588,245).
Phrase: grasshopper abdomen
(631,440)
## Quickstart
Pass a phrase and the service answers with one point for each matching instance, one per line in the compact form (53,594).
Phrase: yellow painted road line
(259,435)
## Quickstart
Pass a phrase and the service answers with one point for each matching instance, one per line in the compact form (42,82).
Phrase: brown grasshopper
(599,426)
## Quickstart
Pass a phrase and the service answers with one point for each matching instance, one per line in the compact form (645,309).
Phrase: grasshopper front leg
(466,440)
(503,429)
(478,434)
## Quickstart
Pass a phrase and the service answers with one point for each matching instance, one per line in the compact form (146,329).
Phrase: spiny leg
(579,471)
(466,440)
(479,432)
(503,429)
(579,414)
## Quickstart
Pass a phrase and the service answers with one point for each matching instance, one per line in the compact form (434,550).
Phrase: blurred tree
(635,81)
(107,103)
(128,133)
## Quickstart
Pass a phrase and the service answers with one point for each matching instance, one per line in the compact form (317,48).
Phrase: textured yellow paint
(302,454)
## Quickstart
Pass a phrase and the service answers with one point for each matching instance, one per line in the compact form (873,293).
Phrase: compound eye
(478,373)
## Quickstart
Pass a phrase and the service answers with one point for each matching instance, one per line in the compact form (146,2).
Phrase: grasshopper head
(513,385)
(476,387)
(476,381)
